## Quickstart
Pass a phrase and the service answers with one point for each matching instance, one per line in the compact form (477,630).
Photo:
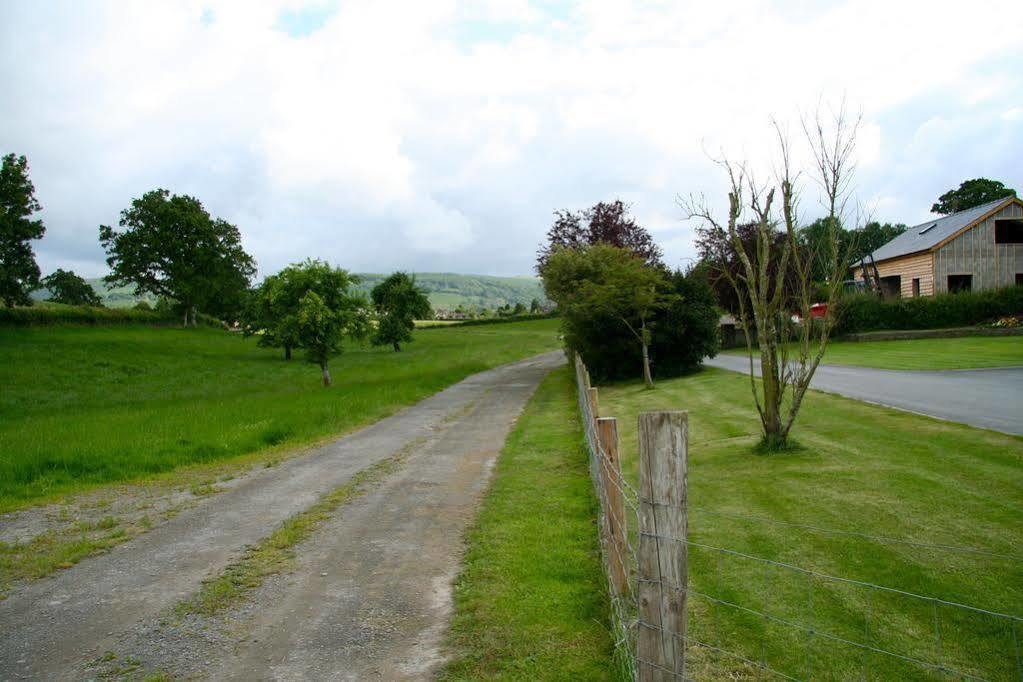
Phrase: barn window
(928,228)
(916,287)
(957,283)
(1009,231)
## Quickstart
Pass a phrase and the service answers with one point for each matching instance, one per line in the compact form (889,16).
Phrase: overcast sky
(440,136)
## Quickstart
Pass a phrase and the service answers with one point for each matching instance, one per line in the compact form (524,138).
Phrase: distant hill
(446,290)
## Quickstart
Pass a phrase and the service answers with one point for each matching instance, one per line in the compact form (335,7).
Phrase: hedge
(88,315)
(495,320)
(863,312)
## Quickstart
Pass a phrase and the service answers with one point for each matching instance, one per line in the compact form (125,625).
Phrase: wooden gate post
(591,397)
(611,476)
(663,572)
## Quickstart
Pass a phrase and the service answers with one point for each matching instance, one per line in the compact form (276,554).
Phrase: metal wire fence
(745,616)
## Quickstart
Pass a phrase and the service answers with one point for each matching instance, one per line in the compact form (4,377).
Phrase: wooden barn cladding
(980,248)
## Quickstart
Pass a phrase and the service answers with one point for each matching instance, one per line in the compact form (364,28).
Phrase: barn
(979,248)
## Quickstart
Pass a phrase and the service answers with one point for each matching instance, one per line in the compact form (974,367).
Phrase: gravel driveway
(372,592)
(985,398)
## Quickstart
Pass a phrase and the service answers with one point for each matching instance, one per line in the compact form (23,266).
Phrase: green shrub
(863,312)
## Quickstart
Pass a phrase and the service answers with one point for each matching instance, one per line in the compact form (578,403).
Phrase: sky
(441,135)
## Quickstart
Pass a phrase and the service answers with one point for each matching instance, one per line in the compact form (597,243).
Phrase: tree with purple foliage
(606,223)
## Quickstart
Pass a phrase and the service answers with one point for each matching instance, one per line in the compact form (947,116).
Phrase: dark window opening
(891,287)
(1019,279)
(1009,231)
(957,283)
(916,287)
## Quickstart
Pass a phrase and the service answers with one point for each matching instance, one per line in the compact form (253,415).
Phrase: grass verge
(970,352)
(872,494)
(530,602)
(274,553)
(82,407)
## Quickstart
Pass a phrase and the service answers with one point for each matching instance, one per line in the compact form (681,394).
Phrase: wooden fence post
(591,397)
(611,475)
(663,572)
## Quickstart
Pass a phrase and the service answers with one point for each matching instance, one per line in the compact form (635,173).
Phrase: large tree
(871,237)
(971,193)
(606,223)
(68,288)
(398,302)
(273,307)
(171,247)
(605,281)
(19,273)
(770,286)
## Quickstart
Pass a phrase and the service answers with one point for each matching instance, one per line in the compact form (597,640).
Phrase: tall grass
(81,406)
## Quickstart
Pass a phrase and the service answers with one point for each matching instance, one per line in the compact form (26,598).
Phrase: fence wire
(789,598)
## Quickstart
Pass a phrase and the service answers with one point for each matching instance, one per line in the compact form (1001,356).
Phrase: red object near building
(819,310)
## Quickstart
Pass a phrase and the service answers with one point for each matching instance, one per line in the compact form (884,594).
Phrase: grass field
(970,352)
(81,406)
(861,469)
(530,601)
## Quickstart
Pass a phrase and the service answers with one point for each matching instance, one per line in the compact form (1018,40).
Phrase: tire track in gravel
(51,628)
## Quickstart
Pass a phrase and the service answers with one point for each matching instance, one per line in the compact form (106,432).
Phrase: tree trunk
(645,340)
(184,322)
(326,375)
(397,347)
(771,418)
(287,352)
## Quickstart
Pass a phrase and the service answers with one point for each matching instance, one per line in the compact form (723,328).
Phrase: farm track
(370,593)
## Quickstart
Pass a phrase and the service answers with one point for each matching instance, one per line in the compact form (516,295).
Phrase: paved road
(986,398)
(369,600)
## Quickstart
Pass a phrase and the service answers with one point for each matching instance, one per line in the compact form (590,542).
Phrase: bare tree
(774,284)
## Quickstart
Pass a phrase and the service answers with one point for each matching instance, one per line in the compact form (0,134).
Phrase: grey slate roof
(912,241)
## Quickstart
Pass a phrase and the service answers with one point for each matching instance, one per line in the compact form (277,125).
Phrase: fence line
(649,561)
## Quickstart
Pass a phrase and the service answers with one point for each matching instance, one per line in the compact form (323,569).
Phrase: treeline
(169,246)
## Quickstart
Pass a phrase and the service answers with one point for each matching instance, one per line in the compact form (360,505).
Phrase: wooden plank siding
(974,252)
(916,266)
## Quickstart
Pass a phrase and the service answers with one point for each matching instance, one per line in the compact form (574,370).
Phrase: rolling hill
(446,290)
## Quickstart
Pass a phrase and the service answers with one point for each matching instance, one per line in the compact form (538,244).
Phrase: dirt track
(371,592)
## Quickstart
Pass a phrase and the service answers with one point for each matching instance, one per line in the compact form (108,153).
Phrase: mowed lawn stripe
(860,469)
(85,406)
(531,601)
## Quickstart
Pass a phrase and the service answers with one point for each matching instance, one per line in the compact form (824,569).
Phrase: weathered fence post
(663,573)
(591,397)
(611,475)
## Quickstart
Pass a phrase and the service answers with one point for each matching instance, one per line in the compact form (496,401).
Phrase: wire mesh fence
(690,610)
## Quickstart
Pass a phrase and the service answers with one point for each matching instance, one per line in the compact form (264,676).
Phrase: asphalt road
(985,398)
(371,593)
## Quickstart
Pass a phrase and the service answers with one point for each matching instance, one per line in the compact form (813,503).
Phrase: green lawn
(81,405)
(861,469)
(969,352)
(530,602)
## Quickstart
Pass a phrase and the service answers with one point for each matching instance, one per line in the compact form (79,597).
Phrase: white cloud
(441,135)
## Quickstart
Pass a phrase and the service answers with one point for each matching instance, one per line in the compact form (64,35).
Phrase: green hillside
(446,290)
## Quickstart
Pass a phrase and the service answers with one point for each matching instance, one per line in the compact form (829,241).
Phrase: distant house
(979,248)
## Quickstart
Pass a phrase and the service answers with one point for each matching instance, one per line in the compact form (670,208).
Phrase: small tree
(971,193)
(19,273)
(171,247)
(68,288)
(398,302)
(772,284)
(605,223)
(604,280)
(320,330)
(273,306)
(534,306)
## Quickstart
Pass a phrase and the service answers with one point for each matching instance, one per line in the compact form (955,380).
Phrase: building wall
(919,265)
(975,253)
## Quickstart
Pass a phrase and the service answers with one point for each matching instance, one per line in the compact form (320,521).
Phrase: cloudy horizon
(441,136)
